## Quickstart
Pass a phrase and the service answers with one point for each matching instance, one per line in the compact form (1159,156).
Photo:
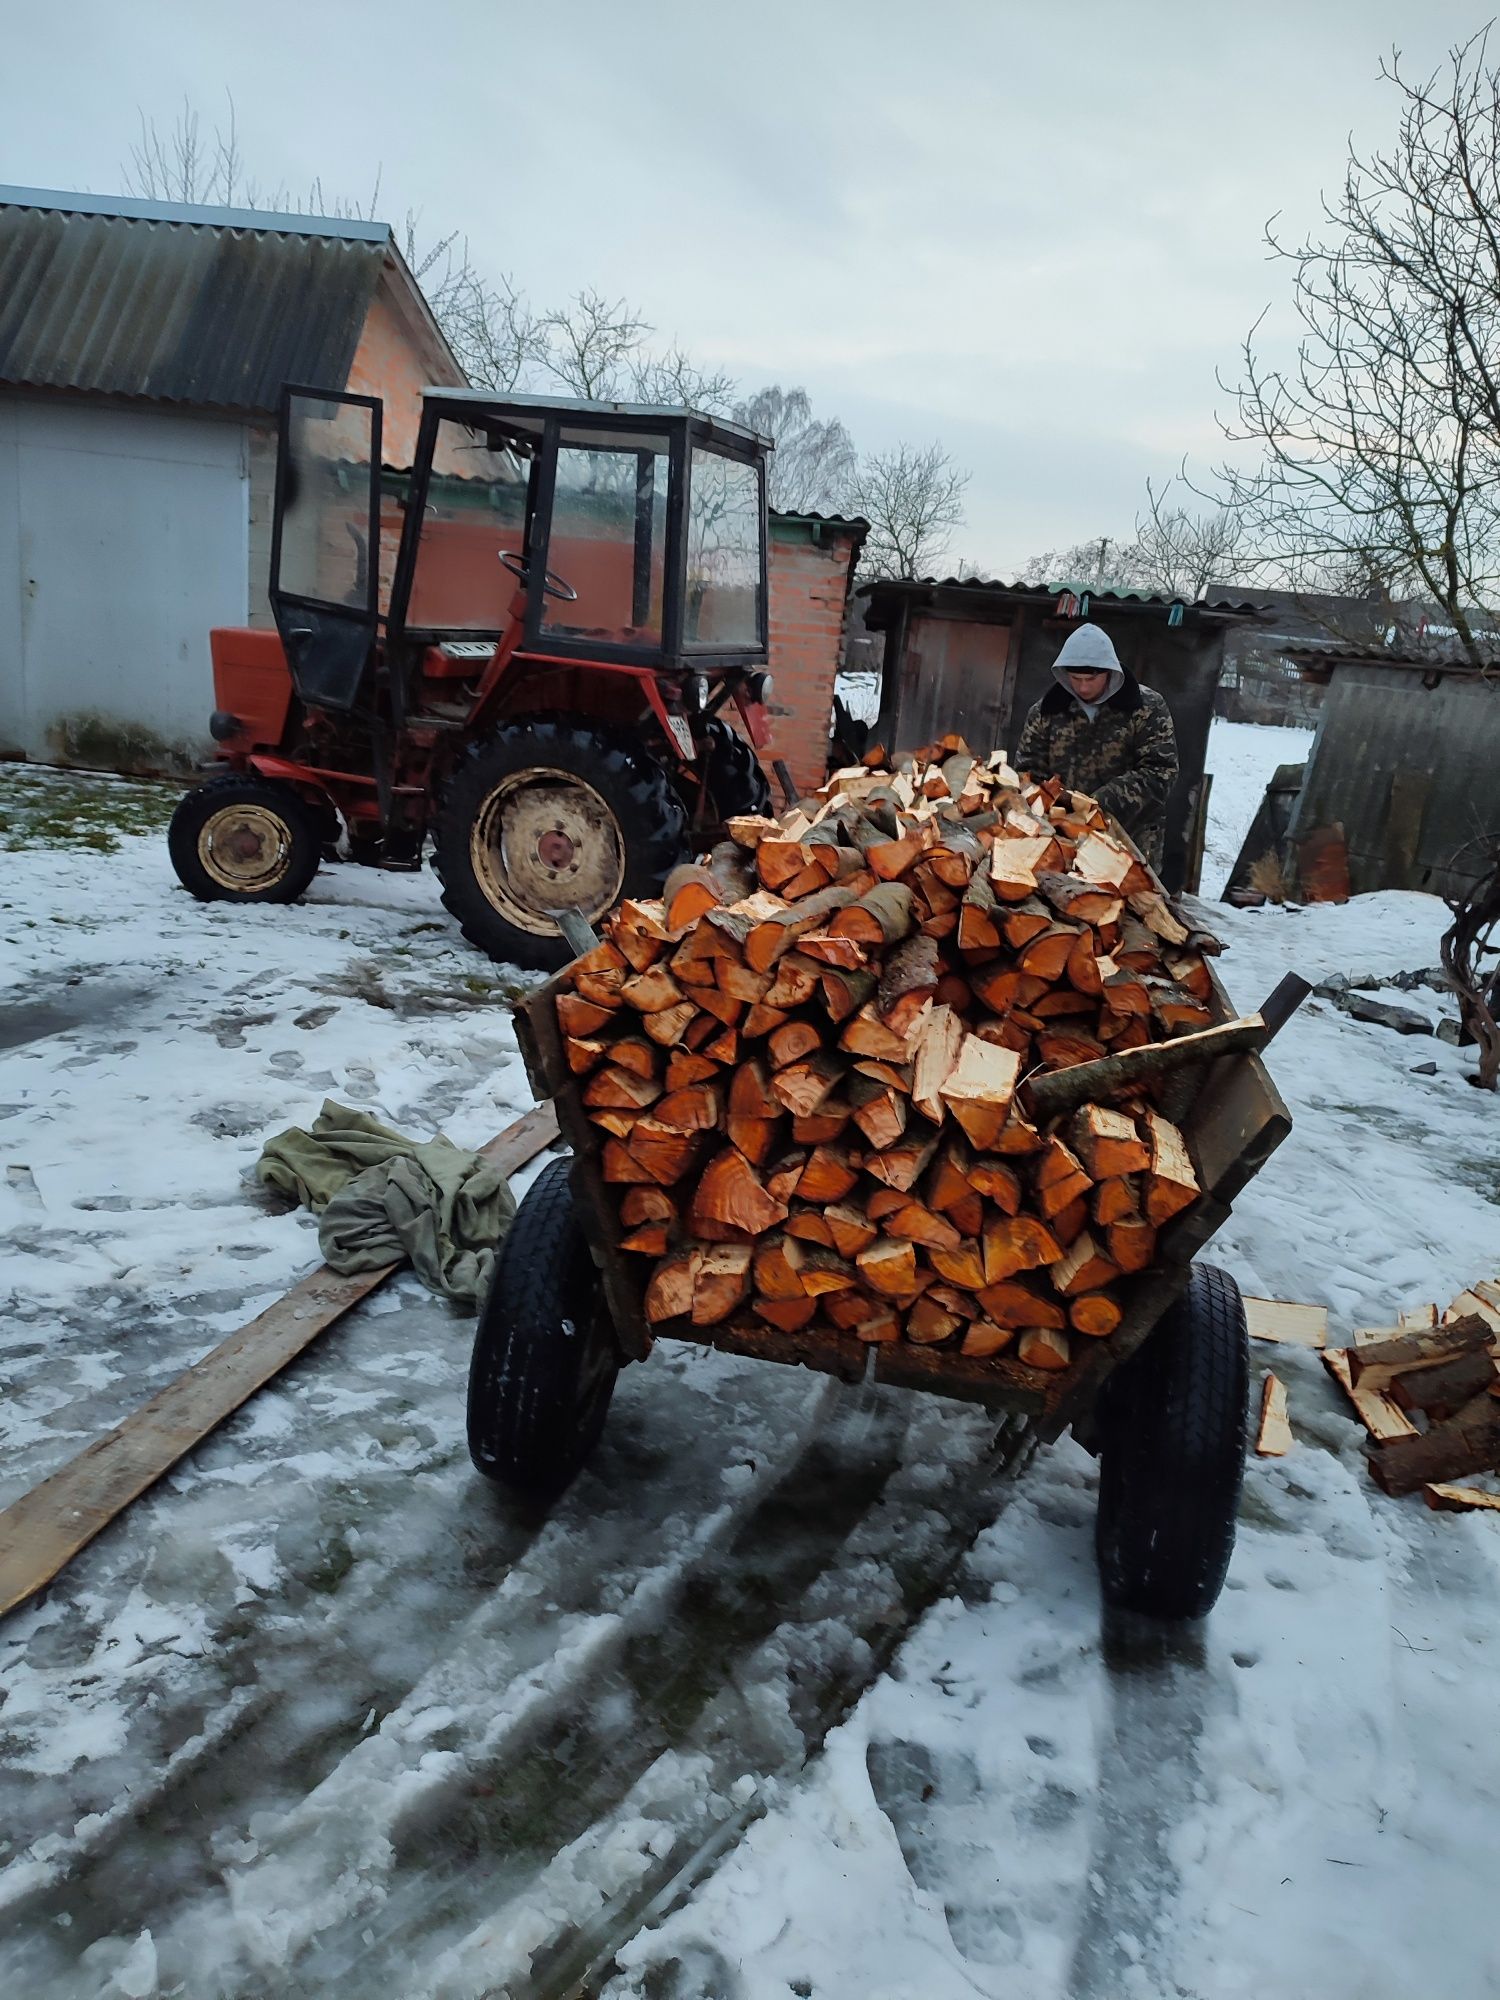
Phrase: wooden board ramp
(45,1528)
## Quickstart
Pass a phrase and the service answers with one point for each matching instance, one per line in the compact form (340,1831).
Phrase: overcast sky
(1030,231)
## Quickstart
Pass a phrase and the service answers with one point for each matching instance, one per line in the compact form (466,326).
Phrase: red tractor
(574,594)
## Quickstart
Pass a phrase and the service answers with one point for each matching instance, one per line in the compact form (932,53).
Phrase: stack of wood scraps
(1427,1391)
(896,1063)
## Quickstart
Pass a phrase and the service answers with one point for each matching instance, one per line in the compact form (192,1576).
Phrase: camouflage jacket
(1126,757)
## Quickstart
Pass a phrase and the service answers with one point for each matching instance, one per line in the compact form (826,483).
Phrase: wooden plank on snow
(1288,1324)
(47,1527)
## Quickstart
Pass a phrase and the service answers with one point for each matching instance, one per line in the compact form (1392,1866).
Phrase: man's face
(1089,686)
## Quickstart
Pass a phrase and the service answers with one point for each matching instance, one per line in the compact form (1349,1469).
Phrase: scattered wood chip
(1445,1499)
(1275,1436)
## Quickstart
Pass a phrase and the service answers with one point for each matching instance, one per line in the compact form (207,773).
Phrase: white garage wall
(124,537)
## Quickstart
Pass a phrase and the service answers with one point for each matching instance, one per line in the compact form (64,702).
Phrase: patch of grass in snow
(74,811)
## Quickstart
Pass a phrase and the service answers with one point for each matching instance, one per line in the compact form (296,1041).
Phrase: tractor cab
(525,530)
(574,589)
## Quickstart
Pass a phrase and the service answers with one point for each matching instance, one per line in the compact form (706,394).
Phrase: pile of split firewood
(1428,1393)
(893,1064)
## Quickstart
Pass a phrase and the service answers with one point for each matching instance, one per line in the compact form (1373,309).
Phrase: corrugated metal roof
(1445,660)
(1041,593)
(171,304)
(824,520)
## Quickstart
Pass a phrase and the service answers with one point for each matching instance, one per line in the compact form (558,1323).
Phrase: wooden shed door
(958,675)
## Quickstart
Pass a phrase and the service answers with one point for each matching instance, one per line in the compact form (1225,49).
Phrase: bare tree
(813,467)
(913,500)
(1104,562)
(1380,446)
(671,378)
(1179,552)
(589,345)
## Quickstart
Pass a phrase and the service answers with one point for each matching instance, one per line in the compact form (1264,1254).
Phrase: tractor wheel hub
(546,840)
(245,847)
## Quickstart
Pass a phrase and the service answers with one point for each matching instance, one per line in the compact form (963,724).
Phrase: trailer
(1162,1401)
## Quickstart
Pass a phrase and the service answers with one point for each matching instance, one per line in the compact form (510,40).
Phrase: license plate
(682,735)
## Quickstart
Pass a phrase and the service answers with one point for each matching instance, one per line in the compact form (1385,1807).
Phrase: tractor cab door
(325,542)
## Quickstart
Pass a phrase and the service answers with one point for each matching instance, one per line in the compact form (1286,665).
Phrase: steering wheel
(552,584)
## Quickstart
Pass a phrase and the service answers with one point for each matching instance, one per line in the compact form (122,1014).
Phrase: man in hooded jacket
(1103,733)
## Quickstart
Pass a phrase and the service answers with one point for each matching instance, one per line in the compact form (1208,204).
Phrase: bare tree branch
(1380,444)
(913,500)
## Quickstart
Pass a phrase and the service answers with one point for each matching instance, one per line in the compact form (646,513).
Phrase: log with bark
(893,1063)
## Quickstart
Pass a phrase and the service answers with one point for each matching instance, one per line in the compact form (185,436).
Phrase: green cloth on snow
(381,1197)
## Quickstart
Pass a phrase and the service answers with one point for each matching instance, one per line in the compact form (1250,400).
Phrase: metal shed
(1407,762)
(973,656)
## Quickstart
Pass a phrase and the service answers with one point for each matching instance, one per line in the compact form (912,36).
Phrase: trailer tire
(621,828)
(244,839)
(545,1357)
(736,782)
(1172,1455)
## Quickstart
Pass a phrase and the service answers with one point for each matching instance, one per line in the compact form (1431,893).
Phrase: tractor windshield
(476,508)
(609,536)
(724,529)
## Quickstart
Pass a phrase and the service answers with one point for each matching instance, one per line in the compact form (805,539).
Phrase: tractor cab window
(476,509)
(325,470)
(724,528)
(608,537)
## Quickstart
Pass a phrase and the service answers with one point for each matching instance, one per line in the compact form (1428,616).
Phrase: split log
(889,1265)
(937,1045)
(1467,1442)
(730,1191)
(1378,1364)
(927,1323)
(1171,1184)
(1044,1347)
(1083,1268)
(979,1090)
(1274,1438)
(984,1338)
(1017,1243)
(904,991)
(1107,1143)
(1096,1314)
(721,1283)
(883,916)
(669,1295)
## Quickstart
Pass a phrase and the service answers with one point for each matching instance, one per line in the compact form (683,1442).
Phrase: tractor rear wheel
(736,782)
(551,813)
(244,839)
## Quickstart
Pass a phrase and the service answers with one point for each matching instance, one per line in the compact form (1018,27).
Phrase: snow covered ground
(800,1690)
(1242,758)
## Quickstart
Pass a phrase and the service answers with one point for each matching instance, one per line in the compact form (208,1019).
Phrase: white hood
(1089,649)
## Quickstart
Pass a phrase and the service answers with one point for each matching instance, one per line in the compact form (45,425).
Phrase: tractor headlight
(695,692)
(758,686)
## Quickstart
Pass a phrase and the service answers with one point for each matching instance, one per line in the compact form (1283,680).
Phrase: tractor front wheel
(551,814)
(244,839)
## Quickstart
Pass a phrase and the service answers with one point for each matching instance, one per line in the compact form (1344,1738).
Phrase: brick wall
(396,359)
(809,596)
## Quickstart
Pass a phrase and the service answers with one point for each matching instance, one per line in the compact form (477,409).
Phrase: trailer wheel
(245,839)
(545,1355)
(736,782)
(1172,1455)
(551,813)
